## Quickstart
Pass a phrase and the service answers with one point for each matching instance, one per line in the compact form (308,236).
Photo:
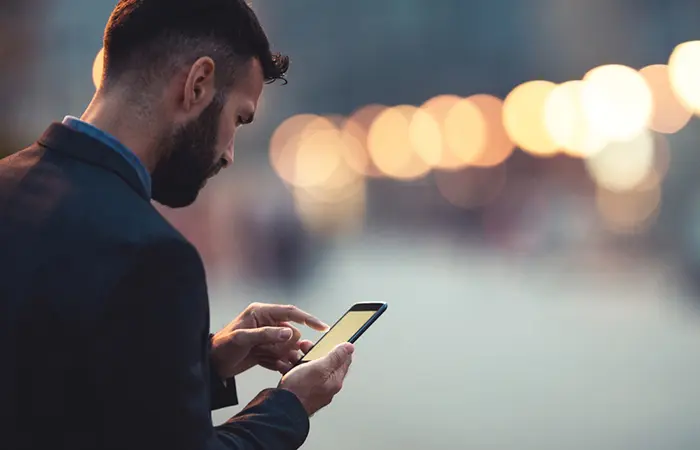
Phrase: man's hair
(148,40)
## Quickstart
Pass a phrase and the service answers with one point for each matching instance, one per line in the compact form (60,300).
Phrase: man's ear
(199,88)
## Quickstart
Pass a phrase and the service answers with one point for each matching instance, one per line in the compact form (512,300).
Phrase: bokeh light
(669,114)
(471,187)
(284,145)
(524,117)
(660,165)
(465,134)
(318,153)
(390,145)
(617,101)
(355,130)
(318,158)
(684,69)
(628,212)
(623,165)
(353,150)
(662,155)
(310,152)
(344,183)
(329,218)
(567,122)
(498,146)
(98,68)
(425,135)
(463,131)
(438,108)
(608,118)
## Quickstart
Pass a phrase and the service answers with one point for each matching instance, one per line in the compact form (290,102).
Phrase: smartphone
(348,328)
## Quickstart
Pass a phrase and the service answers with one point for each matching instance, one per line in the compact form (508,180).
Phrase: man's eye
(243,120)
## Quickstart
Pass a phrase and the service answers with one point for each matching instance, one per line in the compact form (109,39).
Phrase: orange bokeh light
(524,117)
(355,130)
(498,146)
(390,146)
(669,114)
(628,212)
(284,144)
(462,127)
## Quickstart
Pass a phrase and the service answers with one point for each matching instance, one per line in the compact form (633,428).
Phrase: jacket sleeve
(152,365)
(222,392)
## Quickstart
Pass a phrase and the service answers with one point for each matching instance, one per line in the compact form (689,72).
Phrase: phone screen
(341,332)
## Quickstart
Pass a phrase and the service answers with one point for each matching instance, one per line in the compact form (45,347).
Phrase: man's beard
(189,159)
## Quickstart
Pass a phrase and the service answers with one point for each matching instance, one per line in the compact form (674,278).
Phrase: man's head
(193,69)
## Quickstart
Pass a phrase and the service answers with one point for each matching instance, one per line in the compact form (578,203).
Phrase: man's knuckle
(236,337)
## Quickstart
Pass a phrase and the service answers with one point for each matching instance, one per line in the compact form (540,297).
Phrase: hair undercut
(149,40)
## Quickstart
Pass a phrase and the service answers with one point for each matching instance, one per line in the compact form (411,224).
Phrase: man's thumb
(340,355)
(261,336)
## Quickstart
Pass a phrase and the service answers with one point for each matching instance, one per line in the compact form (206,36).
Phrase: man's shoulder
(84,203)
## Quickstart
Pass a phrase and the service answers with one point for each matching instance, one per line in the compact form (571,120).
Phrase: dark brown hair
(148,39)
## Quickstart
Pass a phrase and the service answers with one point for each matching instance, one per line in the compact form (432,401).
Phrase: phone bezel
(377,307)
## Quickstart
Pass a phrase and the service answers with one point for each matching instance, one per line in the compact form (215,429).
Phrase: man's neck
(113,117)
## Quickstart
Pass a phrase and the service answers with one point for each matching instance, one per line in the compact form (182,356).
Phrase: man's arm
(152,366)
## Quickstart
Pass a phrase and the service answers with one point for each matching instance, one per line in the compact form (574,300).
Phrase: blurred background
(520,180)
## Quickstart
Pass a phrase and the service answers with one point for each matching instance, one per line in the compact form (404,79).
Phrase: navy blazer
(104,316)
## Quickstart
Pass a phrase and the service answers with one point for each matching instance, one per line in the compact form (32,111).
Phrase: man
(104,317)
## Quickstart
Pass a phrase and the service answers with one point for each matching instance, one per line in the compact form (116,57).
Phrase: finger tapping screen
(341,332)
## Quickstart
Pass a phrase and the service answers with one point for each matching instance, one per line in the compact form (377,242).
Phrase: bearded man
(104,314)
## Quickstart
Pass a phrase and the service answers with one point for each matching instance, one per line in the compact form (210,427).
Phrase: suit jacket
(104,316)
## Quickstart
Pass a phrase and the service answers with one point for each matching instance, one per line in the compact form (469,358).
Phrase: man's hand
(262,335)
(315,383)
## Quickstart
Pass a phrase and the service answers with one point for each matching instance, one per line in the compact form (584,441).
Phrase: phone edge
(369,323)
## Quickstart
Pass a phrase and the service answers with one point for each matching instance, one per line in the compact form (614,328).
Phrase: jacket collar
(80,146)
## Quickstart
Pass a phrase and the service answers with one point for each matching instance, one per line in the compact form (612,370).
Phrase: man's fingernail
(285,334)
(317,322)
(349,348)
